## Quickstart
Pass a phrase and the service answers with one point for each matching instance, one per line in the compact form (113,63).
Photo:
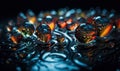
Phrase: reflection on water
(67,40)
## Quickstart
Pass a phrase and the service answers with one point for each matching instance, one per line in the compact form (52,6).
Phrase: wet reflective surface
(67,40)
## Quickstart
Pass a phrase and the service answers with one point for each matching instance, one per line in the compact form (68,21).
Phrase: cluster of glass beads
(88,36)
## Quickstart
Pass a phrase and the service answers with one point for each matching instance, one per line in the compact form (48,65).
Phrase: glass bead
(21,18)
(31,17)
(85,35)
(72,26)
(49,21)
(61,22)
(16,38)
(26,29)
(43,32)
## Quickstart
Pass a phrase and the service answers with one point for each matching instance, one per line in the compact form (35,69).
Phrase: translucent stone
(49,21)
(53,12)
(26,29)
(16,38)
(85,33)
(62,11)
(43,33)
(72,26)
(31,17)
(81,20)
(21,18)
(61,23)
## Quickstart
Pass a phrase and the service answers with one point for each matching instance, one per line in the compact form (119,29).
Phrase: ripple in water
(53,57)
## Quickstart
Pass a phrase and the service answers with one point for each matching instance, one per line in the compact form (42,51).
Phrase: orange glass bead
(43,33)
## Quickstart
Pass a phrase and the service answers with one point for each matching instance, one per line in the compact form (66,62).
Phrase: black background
(11,8)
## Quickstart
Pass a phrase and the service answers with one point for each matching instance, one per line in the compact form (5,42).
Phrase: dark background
(11,8)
